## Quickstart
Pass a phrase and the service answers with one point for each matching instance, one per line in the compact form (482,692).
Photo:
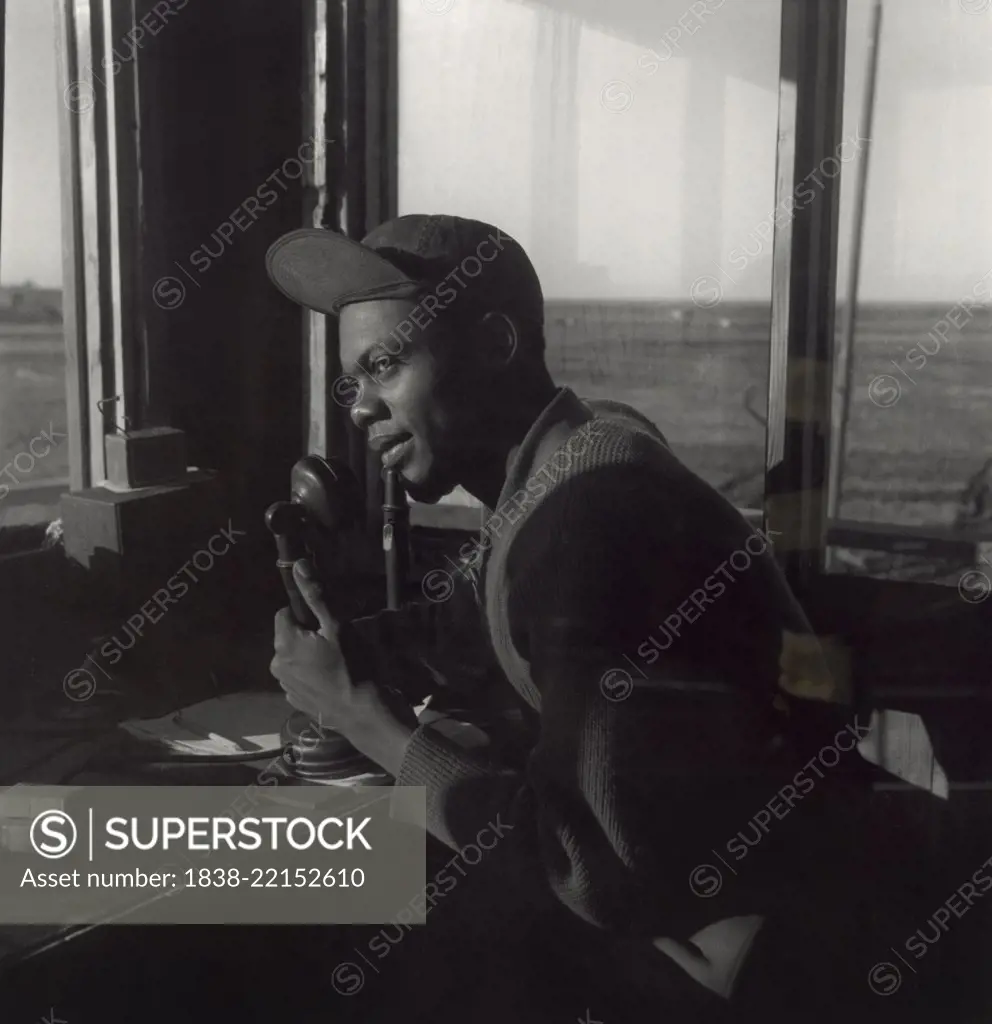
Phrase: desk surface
(68,759)
(68,764)
(92,755)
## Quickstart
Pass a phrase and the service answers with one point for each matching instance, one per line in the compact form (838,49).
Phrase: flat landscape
(702,377)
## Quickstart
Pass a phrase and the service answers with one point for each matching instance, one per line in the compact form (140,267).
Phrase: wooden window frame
(804,276)
(869,612)
(875,617)
(101,240)
(104,332)
(353,53)
(354,92)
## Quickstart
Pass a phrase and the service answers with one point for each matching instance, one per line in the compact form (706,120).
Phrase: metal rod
(395,530)
(836,476)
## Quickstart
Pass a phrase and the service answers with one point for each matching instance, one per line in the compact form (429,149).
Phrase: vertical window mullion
(105,333)
(802,356)
(353,64)
(71,128)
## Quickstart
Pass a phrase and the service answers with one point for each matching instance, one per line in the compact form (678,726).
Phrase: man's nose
(367,407)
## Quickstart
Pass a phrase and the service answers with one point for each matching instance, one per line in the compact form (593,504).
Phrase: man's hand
(312,670)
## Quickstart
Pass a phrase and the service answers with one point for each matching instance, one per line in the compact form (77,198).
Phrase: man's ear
(500,337)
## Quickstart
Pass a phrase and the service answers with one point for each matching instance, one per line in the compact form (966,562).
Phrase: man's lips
(394,455)
(392,448)
(382,442)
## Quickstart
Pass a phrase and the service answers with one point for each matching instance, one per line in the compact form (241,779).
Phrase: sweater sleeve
(608,815)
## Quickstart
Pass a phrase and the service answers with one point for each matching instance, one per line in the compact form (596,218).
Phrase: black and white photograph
(496,511)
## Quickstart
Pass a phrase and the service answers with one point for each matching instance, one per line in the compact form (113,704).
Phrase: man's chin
(423,493)
(426,489)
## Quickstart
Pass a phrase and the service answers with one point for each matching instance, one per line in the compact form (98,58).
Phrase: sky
(628,154)
(659,141)
(31,239)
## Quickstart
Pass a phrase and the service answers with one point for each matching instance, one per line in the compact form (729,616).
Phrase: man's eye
(381,364)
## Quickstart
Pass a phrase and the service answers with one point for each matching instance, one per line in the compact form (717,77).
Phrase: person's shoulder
(620,490)
(610,445)
(610,410)
(610,452)
(631,478)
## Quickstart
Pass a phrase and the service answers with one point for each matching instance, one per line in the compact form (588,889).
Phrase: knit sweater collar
(550,430)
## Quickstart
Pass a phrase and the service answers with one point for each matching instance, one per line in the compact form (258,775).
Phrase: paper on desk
(237,723)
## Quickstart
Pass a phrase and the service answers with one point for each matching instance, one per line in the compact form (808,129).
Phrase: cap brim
(324,271)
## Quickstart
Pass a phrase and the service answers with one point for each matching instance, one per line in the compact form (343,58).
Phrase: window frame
(101,228)
(804,279)
(100,203)
(354,73)
(41,492)
(114,346)
(802,359)
(354,50)
(73,308)
(26,538)
(873,614)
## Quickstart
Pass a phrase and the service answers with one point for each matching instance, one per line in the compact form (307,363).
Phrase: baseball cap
(457,259)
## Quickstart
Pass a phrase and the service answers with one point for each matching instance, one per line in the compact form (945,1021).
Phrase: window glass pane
(33,470)
(916,478)
(630,148)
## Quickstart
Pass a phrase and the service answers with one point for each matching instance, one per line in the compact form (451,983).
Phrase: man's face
(417,414)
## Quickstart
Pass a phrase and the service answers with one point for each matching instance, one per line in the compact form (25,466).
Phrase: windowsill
(469,518)
(23,541)
(926,541)
(31,503)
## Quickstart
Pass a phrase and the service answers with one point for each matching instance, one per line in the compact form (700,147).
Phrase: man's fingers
(296,694)
(311,590)
(280,670)
(285,624)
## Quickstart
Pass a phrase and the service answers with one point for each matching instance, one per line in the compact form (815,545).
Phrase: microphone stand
(395,538)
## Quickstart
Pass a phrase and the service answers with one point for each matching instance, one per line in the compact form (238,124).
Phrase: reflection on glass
(919,430)
(633,156)
(34,455)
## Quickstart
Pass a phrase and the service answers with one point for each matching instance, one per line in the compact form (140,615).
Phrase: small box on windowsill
(144,458)
(125,536)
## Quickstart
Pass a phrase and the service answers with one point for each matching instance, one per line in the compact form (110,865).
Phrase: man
(668,800)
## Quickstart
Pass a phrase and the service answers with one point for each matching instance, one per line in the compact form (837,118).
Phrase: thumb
(310,588)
